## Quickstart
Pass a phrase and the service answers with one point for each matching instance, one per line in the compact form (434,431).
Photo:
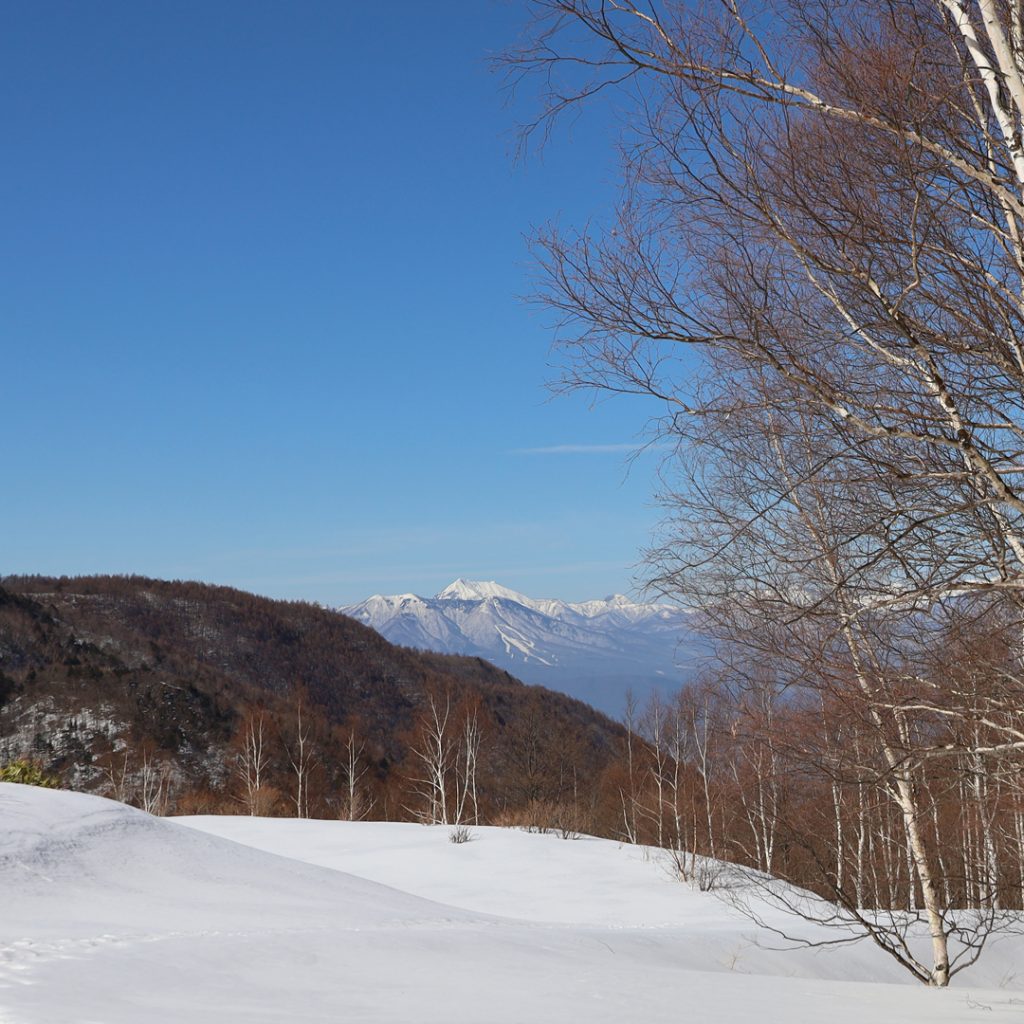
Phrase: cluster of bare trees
(445,752)
(279,767)
(741,771)
(825,202)
(138,776)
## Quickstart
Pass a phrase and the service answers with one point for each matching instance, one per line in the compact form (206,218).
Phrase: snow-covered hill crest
(110,915)
(594,650)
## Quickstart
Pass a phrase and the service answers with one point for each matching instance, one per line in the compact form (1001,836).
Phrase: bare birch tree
(467,798)
(807,187)
(445,750)
(356,803)
(300,749)
(253,760)
(826,201)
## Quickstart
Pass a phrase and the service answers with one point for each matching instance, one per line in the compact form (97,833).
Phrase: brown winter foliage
(192,698)
(815,274)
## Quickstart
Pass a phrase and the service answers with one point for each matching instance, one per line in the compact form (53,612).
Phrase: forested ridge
(149,690)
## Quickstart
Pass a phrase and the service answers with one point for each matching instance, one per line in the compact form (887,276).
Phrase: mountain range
(168,673)
(593,650)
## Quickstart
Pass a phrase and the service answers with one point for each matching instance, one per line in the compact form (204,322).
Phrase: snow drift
(112,916)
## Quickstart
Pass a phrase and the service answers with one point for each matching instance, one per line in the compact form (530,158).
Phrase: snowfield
(110,916)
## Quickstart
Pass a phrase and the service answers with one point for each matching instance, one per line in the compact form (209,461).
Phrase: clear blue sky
(261,268)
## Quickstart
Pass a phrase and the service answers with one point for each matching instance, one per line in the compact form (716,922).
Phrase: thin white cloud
(576,449)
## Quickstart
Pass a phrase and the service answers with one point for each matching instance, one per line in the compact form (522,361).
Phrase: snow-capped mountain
(594,650)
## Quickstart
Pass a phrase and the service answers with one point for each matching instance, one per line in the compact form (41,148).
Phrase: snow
(478,590)
(594,650)
(111,916)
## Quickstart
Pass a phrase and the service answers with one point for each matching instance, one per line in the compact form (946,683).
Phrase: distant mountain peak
(478,590)
(594,650)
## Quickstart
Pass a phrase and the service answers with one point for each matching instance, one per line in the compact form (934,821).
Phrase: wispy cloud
(576,449)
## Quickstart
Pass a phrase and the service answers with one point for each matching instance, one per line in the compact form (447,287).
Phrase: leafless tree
(118,775)
(155,777)
(630,790)
(826,202)
(807,187)
(445,751)
(782,596)
(138,776)
(435,755)
(301,758)
(467,798)
(356,803)
(253,760)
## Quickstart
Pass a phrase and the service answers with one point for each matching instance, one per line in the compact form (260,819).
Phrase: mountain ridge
(593,650)
(167,671)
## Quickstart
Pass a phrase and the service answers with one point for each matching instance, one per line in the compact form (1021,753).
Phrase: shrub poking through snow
(460,834)
(28,773)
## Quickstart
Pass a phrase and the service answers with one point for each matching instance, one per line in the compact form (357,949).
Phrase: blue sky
(261,278)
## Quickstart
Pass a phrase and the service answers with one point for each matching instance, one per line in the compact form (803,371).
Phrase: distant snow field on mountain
(594,650)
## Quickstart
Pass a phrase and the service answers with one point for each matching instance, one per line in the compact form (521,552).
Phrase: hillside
(169,674)
(112,915)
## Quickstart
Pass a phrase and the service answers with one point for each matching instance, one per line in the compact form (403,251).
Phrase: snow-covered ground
(109,916)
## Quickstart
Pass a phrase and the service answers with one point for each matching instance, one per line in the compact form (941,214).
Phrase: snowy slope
(594,650)
(113,917)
